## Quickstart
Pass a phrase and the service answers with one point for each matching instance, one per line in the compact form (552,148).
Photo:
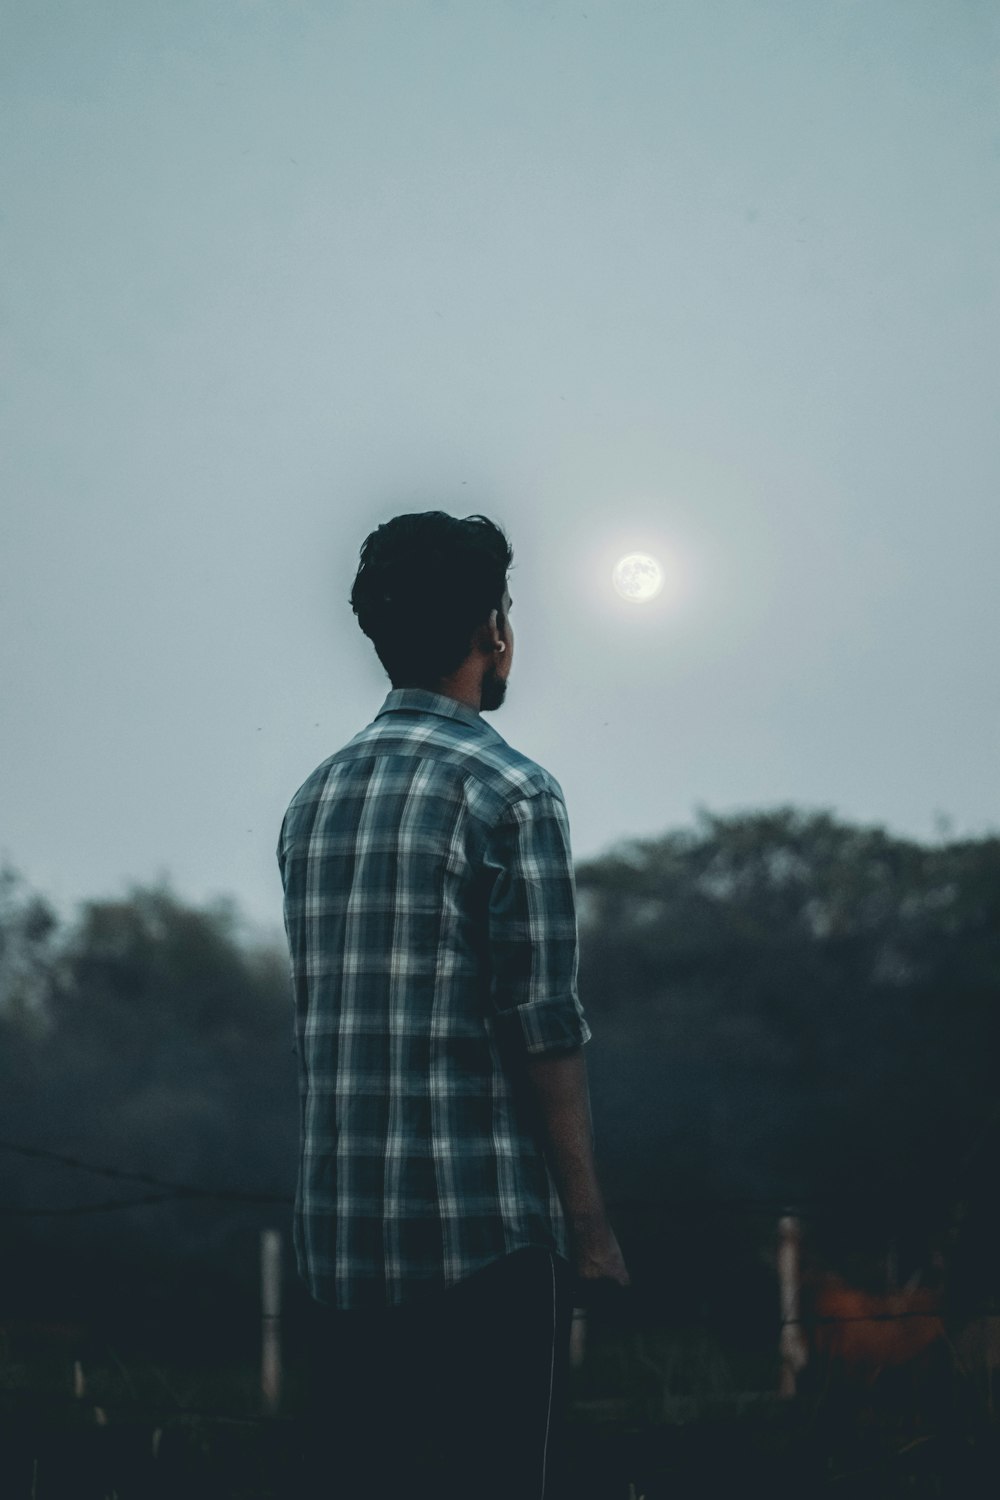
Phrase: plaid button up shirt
(430,913)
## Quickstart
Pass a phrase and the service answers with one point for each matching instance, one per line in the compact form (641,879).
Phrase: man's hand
(597,1257)
(559,1088)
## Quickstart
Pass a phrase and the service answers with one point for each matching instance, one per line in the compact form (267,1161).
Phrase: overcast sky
(712,279)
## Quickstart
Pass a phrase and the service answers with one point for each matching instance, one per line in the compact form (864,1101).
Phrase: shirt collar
(423,701)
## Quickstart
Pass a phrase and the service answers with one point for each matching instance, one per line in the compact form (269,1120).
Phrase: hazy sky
(713,279)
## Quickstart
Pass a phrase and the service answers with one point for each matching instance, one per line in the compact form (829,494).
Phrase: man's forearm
(558,1087)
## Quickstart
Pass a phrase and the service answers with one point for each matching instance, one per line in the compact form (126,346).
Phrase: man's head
(431,595)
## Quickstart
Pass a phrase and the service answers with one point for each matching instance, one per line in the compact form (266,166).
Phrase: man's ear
(491,631)
(487,635)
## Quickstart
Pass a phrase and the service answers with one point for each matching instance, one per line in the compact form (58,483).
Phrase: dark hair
(424,585)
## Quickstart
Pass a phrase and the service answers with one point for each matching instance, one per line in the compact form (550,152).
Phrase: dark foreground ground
(763,1449)
(640,1426)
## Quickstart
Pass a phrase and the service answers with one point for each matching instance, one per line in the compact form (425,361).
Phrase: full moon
(638,577)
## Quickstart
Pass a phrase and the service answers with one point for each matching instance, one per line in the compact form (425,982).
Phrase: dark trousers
(461,1397)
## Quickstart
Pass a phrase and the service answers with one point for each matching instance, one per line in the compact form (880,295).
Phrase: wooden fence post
(577,1337)
(792,1343)
(270,1318)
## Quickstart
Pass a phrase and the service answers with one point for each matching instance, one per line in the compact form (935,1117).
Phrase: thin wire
(109,1205)
(171,1190)
(798,1207)
(175,1189)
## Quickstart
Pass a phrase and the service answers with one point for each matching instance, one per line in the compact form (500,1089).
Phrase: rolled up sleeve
(533,944)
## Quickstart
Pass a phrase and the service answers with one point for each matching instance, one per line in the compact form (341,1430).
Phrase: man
(448,1212)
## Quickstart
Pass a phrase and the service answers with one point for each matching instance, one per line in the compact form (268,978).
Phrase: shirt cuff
(542,1026)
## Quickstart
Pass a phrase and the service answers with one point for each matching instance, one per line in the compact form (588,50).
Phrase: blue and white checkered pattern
(431,921)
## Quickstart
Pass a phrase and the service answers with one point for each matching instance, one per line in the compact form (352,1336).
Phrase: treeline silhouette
(788,1010)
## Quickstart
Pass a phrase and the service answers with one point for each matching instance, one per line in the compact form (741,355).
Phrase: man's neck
(463,689)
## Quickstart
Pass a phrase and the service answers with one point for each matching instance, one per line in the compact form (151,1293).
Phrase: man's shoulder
(452,749)
(521,776)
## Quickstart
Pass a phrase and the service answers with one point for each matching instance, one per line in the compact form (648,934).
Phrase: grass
(653,1413)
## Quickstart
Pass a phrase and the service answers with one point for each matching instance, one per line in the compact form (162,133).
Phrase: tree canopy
(794,1007)
(785,1006)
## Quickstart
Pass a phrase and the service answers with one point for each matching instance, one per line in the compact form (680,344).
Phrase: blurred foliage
(793,1007)
(785,1007)
(155,1038)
